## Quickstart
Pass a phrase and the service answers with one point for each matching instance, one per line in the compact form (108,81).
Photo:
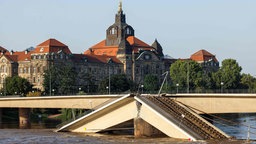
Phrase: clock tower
(119,30)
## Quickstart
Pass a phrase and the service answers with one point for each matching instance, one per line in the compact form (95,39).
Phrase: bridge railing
(174,91)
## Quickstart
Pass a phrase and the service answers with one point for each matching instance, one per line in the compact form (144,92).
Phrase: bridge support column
(24,116)
(1,119)
(144,129)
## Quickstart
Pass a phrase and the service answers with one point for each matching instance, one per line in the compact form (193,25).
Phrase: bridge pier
(1,119)
(24,118)
(144,129)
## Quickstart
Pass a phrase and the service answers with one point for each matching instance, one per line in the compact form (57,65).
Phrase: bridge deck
(77,101)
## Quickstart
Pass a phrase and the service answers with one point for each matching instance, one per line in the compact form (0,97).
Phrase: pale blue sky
(225,28)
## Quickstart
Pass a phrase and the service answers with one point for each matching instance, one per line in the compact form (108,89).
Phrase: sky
(225,28)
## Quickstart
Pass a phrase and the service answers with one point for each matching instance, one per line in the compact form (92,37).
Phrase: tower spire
(120,9)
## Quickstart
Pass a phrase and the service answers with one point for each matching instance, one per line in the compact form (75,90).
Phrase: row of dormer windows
(54,56)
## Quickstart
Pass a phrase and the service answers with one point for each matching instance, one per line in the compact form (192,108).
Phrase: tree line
(184,76)
(192,75)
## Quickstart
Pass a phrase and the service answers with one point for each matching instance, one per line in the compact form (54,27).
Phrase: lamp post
(107,89)
(53,91)
(79,90)
(187,76)
(221,84)
(4,83)
(109,79)
(50,83)
(142,86)
(177,85)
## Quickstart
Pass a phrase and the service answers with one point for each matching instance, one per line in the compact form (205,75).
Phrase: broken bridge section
(176,120)
(162,113)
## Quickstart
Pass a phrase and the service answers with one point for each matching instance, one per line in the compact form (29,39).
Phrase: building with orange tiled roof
(206,59)
(121,52)
(138,58)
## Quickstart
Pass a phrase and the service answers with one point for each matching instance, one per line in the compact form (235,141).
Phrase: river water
(237,128)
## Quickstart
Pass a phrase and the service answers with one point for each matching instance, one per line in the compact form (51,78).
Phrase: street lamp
(187,76)
(53,91)
(221,84)
(142,86)
(79,90)
(4,83)
(107,89)
(109,79)
(177,85)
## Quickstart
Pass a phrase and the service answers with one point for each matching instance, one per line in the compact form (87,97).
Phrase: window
(113,31)
(21,70)
(128,31)
(41,49)
(5,69)
(38,79)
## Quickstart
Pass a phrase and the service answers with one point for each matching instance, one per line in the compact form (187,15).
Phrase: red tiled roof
(4,50)
(23,56)
(102,49)
(52,42)
(19,56)
(10,57)
(94,58)
(137,42)
(52,45)
(102,58)
(203,55)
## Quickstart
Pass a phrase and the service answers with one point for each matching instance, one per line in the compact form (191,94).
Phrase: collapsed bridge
(150,115)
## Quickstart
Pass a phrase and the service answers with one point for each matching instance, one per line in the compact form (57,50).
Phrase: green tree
(248,82)
(151,83)
(60,79)
(17,85)
(183,71)
(51,79)
(118,83)
(228,76)
(85,82)
(67,78)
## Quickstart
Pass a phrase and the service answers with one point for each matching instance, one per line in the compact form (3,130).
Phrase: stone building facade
(121,52)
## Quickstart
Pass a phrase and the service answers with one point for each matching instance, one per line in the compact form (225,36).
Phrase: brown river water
(42,135)
(48,136)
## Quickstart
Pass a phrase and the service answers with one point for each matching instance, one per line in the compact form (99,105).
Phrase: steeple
(119,30)
(120,9)
(120,17)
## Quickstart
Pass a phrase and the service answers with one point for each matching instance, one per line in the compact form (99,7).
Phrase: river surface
(237,128)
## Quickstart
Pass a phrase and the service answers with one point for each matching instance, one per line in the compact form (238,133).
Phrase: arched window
(128,31)
(113,31)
